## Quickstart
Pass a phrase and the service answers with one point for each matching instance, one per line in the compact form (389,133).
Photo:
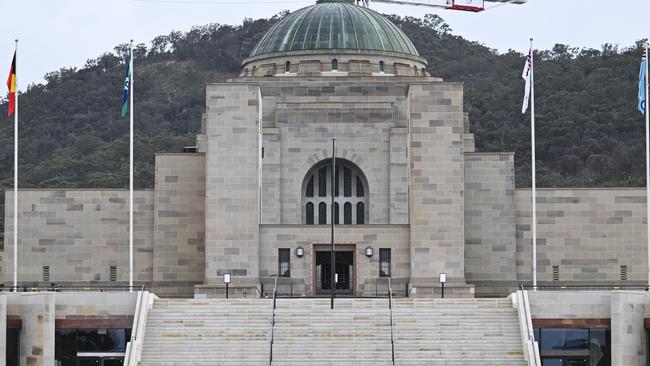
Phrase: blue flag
(642,72)
(127,81)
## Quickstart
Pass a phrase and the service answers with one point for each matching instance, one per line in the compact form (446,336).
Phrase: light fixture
(226,280)
(300,251)
(443,280)
(369,251)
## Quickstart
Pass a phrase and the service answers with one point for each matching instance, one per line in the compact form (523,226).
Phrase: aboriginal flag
(11,85)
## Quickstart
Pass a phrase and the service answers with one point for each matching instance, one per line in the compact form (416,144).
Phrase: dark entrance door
(344,269)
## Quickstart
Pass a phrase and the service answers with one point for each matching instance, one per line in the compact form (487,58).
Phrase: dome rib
(335,25)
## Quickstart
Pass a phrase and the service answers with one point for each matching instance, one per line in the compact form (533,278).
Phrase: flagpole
(131,171)
(647,160)
(534,185)
(16,173)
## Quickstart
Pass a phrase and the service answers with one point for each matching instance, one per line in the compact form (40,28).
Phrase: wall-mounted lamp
(369,251)
(300,251)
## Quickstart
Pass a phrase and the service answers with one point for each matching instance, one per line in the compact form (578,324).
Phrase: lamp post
(226,280)
(443,279)
(333,252)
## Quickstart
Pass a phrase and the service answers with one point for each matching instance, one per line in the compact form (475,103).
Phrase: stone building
(253,199)
(413,198)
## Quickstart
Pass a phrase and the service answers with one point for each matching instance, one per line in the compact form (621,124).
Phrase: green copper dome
(335,24)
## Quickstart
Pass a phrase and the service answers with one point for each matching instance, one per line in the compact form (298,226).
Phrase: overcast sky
(65,33)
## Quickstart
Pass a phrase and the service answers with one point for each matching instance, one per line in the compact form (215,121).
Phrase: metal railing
(275,297)
(390,308)
(56,288)
(604,287)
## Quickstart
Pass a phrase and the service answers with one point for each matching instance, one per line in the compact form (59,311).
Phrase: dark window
(382,67)
(347,182)
(310,187)
(336,181)
(254,69)
(284,262)
(287,66)
(309,214)
(322,182)
(361,213)
(335,65)
(360,191)
(347,213)
(13,350)
(105,340)
(336,213)
(574,347)
(65,346)
(554,340)
(384,262)
(322,213)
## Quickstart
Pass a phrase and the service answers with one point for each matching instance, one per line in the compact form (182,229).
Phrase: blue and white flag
(127,81)
(642,72)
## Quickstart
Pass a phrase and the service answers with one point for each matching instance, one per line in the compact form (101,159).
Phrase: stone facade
(79,235)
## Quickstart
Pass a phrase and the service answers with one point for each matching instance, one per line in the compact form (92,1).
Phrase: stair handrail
(390,308)
(275,296)
(134,346)
(531,347)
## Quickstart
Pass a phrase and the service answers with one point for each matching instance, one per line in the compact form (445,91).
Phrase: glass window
(347,182)
(336,213)
(361,213)
(382,67)
(336,181)
(347,213)
(599,341)
(360,191)
(13,339)
(335,65)
(322,182)
(554,340)
(384,262)
(65,346)
(310,187)
(107,340)
(287,66)
(284,262)
(322,213)
(310,213)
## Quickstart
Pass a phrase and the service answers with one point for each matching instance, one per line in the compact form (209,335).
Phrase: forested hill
(589,132)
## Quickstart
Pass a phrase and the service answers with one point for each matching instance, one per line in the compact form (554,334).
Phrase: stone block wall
(395,237)
(79,234)
(437,187)
(588,233)
(232,213)
(300,120)
(490,215)
(179,225)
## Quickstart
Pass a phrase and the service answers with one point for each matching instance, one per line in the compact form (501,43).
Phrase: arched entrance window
(350,194)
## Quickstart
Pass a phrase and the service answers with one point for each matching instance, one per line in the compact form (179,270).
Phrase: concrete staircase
(449,332)
(357,332)
(207,332)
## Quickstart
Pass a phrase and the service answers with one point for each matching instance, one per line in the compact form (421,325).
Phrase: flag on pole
(127,80)
(642,72)
(526,75)
(11,85)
